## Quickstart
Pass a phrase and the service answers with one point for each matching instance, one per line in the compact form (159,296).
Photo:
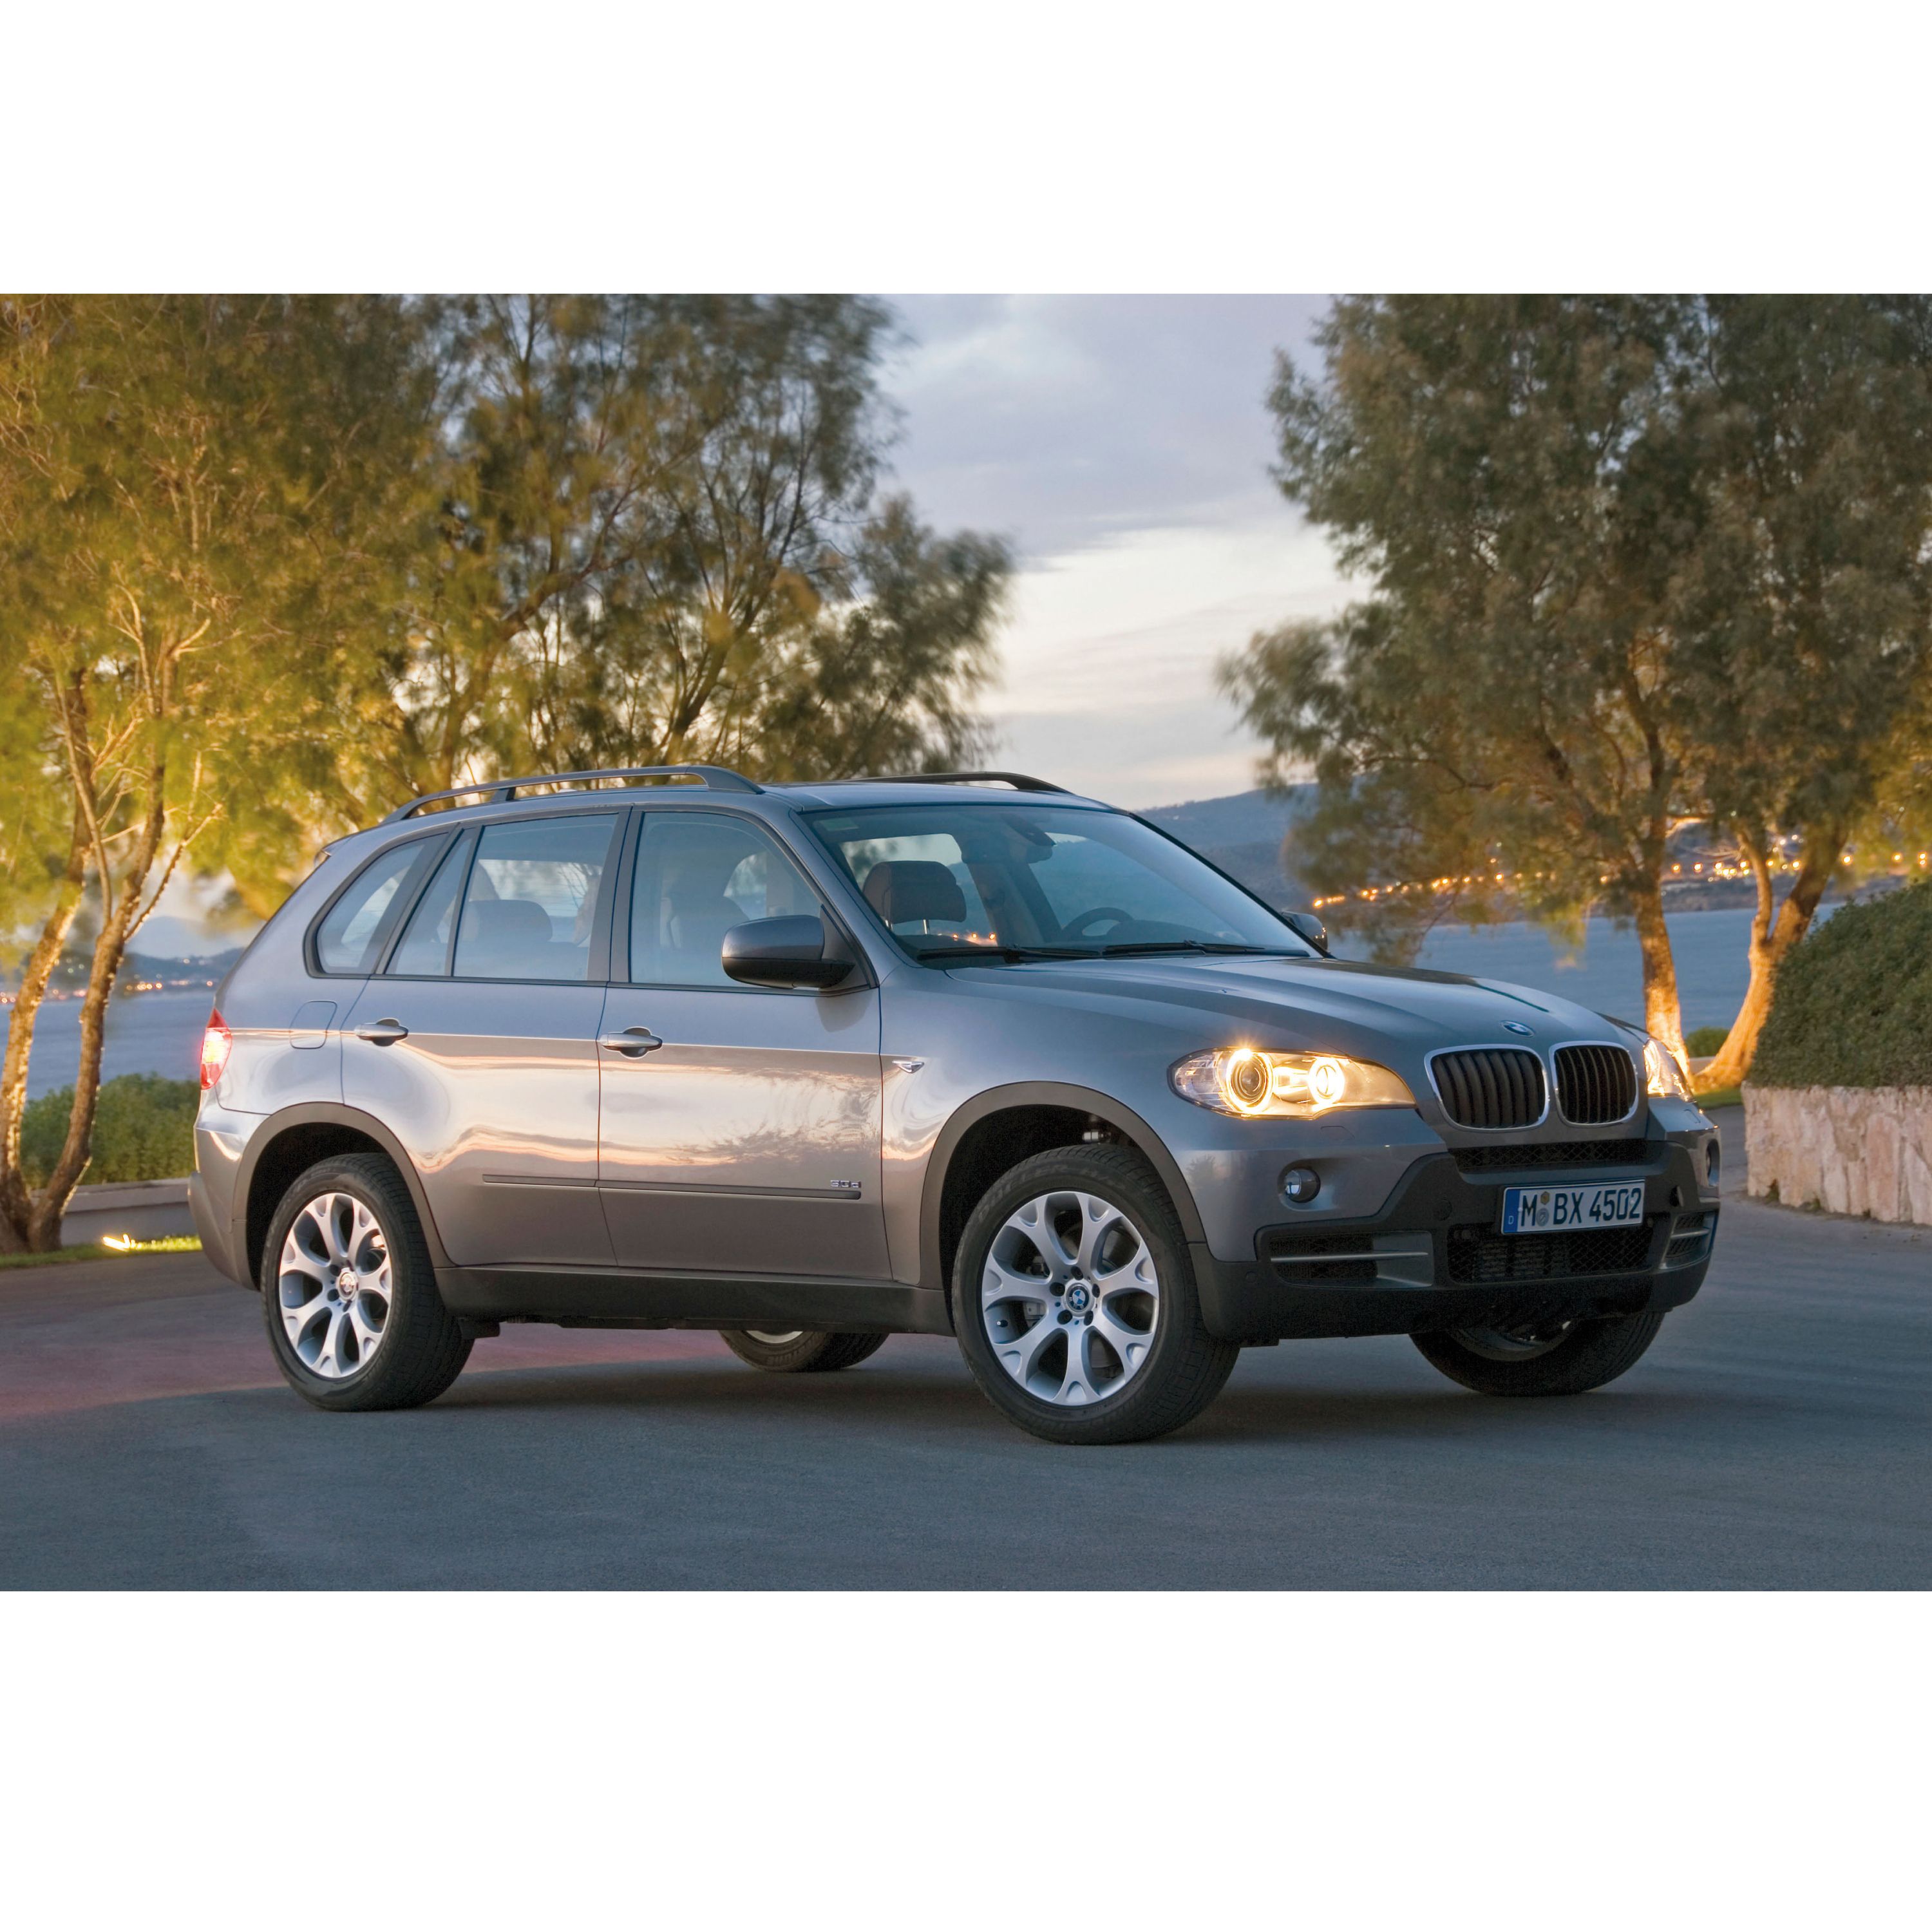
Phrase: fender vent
(1491,1086)
(1595,1084)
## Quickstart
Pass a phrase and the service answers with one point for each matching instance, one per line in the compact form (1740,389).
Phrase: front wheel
(1074,1301)
(800,1351)
(1561,1358)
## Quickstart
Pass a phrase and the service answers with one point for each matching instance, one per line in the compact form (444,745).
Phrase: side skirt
(643,1298)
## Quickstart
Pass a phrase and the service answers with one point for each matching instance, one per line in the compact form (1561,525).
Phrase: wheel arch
(996,1130)
(295,1139)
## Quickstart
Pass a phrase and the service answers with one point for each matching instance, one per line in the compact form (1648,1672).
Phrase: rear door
(746,1140)
(475,1043)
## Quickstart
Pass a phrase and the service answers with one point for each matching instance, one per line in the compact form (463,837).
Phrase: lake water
(160,1033)
(1606,973)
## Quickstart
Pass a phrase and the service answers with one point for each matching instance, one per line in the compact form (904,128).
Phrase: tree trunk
(110,947)
(16,1202)
(1774,931)
(1662,1016)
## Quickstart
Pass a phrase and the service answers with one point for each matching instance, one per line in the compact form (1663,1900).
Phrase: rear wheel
(349,1293)
(800,1351)
(1073,1298)
(1556,1358)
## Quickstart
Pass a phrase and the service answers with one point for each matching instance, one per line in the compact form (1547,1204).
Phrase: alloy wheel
(335,1286)
(1070,1298)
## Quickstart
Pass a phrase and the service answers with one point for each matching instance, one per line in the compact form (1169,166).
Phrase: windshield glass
(1041,881)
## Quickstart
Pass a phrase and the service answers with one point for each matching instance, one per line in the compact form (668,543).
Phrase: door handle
(634,1042)
(382,1032)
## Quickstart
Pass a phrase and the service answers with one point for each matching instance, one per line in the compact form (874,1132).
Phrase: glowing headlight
(1244,1080)
(1663,1076)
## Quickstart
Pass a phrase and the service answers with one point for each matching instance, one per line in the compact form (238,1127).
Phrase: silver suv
(813,1064)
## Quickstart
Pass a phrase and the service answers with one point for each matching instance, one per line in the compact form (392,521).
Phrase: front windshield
(1012,882)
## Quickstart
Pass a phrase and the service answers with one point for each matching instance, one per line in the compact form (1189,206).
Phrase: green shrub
(143,1130)
(1705,1041)
(1854,1003)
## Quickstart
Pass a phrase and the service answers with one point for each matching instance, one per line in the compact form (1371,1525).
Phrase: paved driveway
(1779,1434)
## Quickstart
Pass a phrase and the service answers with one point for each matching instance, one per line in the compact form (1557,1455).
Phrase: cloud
(1122,442)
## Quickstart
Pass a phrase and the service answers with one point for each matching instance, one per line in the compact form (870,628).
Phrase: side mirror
(792,951)
(1309,927)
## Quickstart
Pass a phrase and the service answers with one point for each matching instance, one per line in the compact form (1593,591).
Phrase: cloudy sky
(1121,442)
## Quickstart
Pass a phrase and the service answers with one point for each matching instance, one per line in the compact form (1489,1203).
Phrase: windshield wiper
(1011,952)
(1127,949)
(1184,946)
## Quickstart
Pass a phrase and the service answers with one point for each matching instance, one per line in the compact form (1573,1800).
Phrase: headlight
(1244,1080)
(1663,1076)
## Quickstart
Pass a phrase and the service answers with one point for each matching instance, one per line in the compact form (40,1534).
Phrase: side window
(532,899)
(425,947)
(353,932)
(698,875)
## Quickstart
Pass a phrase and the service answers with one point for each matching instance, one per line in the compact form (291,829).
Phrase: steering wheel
(1077,929)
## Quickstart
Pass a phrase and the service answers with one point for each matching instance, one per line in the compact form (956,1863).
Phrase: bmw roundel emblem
(1514,1026)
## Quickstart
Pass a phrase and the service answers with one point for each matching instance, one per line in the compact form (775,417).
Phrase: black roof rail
(500,791)
(1018,780)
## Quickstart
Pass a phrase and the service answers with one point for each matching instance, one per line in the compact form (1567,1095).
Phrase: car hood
(1338,1004)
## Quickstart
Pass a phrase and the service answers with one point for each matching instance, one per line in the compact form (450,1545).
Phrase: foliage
(655,537)
(1703,1041)
(1806,599)
(1854,1004)
(1633,561)
(143,1130)
(183,497)
(1501,704)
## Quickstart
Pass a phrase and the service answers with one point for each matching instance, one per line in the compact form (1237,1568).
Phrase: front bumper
(1431,1258)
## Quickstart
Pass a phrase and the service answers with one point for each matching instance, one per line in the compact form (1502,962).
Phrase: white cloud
(1123,442)
(1109,660)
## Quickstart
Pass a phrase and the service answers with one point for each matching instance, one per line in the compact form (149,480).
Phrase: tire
(1583,1355)
(1125,1355)
(351,1215)
(795,1351)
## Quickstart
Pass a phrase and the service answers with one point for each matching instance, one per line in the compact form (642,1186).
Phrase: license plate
(1541,1210)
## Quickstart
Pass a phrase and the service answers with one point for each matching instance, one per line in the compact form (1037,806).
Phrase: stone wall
(1852,1149)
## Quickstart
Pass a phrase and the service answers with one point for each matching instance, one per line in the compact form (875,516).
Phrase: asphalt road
(1778,1435)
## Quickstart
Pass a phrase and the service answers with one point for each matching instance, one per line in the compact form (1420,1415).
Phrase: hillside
(1242,834)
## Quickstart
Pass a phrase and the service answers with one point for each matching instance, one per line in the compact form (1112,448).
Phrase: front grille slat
(1493,1087)
(1595,1084)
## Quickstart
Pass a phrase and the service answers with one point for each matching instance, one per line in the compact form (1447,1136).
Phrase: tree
(1498,713)
(1636,562)
(177,513)
(659,541)
(1807,604)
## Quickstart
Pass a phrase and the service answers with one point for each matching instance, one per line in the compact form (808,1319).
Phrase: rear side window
(424,946)
(532,901)
(354,930)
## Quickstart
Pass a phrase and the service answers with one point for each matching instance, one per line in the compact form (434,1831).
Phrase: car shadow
(896,1398)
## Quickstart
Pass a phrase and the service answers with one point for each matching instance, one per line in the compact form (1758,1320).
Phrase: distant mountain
(164,936)
(1242,834)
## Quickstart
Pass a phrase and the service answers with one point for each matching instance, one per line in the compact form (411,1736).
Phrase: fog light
(1711,1163)
(1300,1185)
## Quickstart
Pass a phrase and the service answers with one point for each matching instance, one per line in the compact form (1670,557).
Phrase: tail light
(216,1045)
